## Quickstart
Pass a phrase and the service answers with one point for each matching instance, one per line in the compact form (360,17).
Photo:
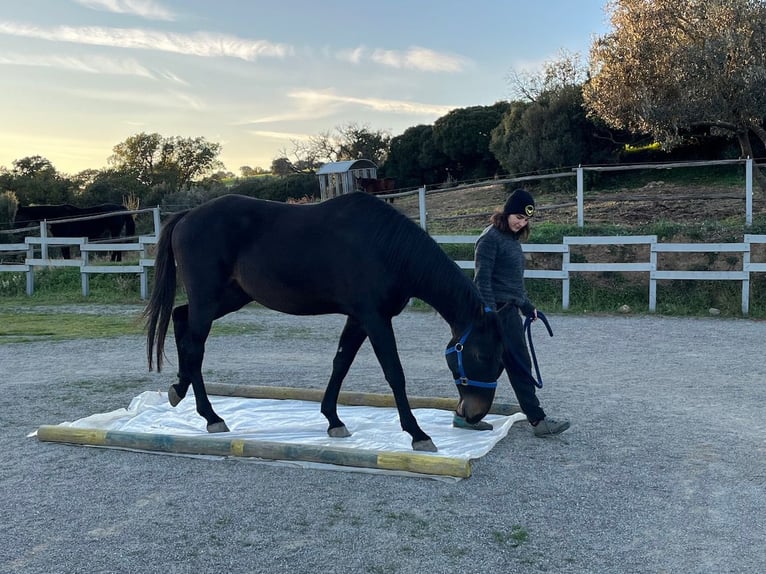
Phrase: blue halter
(463,380)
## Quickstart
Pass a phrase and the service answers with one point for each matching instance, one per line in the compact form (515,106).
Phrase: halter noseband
(463,379)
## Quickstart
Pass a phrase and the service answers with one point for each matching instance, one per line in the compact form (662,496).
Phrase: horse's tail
(159,309)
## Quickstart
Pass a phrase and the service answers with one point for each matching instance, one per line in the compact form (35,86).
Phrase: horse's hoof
(173,397)
(339,432)
(424,446)
(218,427)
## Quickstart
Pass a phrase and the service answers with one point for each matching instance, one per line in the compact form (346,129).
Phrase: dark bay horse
(353,255)
(376,186)
(95,228)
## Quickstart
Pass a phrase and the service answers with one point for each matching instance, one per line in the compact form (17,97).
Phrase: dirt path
(664,469)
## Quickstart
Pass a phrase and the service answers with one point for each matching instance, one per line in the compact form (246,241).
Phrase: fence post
(44,237)
(144,275)
(157,223)
(746,282)
(749,191)
(422,207)
(652,280)
(565,282)
(31,272)
(84,277)
(580,193)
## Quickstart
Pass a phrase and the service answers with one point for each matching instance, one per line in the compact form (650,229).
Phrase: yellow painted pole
(217,445)
(345,398)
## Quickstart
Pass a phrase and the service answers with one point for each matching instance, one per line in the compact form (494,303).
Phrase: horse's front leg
(191,349)
(351,340)
(381,334)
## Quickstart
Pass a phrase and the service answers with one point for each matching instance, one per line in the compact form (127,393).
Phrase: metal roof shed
(338,177)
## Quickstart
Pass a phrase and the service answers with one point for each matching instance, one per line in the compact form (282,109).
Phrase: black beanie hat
(520,202)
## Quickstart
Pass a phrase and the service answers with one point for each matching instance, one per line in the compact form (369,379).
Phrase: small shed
(339,177)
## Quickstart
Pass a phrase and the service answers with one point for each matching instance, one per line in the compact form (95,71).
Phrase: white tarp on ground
(300,422)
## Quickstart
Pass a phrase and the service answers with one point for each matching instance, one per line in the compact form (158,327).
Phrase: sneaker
(461,423)
(550,427)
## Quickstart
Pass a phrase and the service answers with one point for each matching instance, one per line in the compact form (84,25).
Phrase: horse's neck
(456,305)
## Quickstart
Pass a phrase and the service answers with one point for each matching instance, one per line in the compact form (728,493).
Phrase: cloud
(281,135)
(353,56)
(89,64)
(144,8)
(323,98)
(167,99)
(199,44)
(417,58)
(313,105)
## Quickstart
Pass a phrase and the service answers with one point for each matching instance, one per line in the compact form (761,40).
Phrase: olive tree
(168,163)
(671,66)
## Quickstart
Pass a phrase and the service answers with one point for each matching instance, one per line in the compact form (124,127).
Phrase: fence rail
(649,266)
(40,244)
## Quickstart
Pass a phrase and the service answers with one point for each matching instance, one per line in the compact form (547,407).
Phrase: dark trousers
(517,363)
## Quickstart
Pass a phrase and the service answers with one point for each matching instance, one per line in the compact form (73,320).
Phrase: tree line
(672,80)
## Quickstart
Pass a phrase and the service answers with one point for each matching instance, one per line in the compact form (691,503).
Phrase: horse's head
(475,359)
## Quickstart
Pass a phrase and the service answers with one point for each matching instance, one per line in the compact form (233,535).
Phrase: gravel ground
(663,470)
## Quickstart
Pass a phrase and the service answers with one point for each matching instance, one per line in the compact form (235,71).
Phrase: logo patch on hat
(529,210)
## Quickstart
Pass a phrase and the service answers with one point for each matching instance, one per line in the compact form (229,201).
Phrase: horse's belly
(287,300)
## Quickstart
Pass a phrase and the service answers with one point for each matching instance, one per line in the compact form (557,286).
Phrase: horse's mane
(409,250)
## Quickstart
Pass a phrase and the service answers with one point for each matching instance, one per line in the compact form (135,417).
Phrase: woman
(499,263)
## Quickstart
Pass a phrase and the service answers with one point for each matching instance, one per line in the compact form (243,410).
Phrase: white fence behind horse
(33,245)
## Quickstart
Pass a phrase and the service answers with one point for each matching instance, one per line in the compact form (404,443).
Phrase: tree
(282,166)
(551,132)
(35,180)
(669,67)
(565,71)
(348,142)
(109,186)
(170,163)
(359,142)
(464,134)
(247,171)
(414,160)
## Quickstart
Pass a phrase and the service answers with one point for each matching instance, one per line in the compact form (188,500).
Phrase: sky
(78,77)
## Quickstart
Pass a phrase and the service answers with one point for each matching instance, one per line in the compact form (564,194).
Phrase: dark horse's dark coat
(353,255)
(96,228)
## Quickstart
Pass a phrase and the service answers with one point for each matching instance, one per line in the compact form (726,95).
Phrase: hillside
(465,209)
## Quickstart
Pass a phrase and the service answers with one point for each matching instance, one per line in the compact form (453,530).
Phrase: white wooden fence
(649,266)
(34,245)
(579,174)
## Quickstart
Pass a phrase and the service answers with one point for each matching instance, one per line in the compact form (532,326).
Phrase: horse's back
(247,218)
(302,259)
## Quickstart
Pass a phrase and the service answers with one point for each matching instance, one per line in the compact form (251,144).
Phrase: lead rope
(528,329)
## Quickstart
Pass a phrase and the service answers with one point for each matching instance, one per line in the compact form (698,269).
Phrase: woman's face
(517,222)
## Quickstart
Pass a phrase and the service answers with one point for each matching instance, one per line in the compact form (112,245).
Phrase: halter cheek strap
(463,379)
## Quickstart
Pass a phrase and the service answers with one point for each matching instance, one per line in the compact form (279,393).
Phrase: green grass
(515,538)
(27,324)
(687,176)
(35,326)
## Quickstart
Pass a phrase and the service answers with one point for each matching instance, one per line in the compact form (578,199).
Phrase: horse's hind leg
(191,330)
(178,390)
(351,340)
